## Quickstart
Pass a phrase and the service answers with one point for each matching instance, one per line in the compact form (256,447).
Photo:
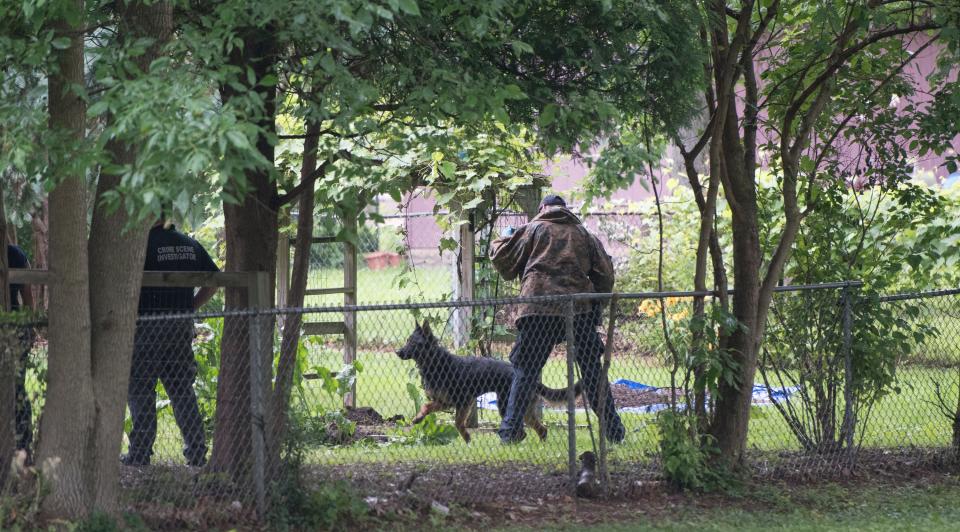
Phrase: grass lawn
(425,283)
(898,420)
(927,505)
(389,327)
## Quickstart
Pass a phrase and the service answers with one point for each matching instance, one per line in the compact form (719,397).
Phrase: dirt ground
(485,496)
(481,496)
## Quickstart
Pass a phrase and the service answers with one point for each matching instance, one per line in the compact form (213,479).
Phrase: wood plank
(152,278)
(327,291)
(29,276)
(194,279)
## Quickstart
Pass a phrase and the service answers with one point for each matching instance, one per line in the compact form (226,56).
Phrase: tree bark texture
(94,293)
(8,355)
(251,245)
(68,419)
(117,249)
(298,286)
(41,246)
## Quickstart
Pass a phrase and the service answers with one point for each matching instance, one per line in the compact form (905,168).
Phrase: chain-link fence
(23,376)
(482,401)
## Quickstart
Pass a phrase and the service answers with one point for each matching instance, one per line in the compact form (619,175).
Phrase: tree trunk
(732,411)
(8,355)
(41,247)
(117,249)
(298,287)
(251,246)
(68,418)
(4,267)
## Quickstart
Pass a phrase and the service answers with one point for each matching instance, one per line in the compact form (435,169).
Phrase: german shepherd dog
(452,381)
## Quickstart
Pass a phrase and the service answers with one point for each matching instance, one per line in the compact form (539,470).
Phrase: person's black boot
(616,432)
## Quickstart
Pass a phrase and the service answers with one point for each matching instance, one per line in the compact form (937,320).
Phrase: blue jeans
(536,338)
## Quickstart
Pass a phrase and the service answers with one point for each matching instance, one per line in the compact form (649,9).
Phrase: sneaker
(134,460)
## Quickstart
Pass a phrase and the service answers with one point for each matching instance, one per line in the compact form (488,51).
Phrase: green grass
(424,283)
(389,327)
(898,420)
(915,506)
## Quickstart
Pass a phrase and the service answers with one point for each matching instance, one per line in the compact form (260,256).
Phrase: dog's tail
(558,395)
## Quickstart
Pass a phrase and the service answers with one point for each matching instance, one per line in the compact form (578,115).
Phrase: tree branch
(308,181)
(846,120)
(840,57)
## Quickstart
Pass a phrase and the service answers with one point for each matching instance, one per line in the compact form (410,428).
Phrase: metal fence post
(848,414)
(571,399)
(258,297)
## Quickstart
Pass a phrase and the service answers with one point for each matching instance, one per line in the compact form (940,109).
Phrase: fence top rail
(559,299)
(919,295)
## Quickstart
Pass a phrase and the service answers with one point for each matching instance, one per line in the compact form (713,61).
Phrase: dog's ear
(416,325)
(426,329)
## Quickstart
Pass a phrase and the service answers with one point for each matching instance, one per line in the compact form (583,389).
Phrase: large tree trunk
(68,417)
(117,249)
(251,246)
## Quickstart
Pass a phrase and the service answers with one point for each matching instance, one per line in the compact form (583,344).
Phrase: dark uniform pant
(536,338)
(167,357)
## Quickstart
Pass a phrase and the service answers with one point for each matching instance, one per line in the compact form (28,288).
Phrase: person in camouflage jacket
(554,255)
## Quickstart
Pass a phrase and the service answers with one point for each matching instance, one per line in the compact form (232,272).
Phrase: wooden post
(468,259)
(283,269)
(350,299)
(463,284)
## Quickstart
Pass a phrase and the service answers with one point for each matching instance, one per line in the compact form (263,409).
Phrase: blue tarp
(761,397)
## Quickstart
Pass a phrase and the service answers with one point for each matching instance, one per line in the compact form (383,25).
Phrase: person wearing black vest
(16,258)
(163,349)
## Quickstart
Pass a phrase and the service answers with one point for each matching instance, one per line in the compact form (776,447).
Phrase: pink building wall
(567,174)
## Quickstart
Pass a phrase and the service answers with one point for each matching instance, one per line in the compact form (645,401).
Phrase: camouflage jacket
(554,254)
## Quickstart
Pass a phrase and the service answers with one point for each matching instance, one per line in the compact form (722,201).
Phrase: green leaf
(409,6)
(98,108)
(61,43)
(520,48)
(237,139)
(448,169)
(548,115)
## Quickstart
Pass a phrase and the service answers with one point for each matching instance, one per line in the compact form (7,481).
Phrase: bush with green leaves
(884,237)
(686,454)
(427,432)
